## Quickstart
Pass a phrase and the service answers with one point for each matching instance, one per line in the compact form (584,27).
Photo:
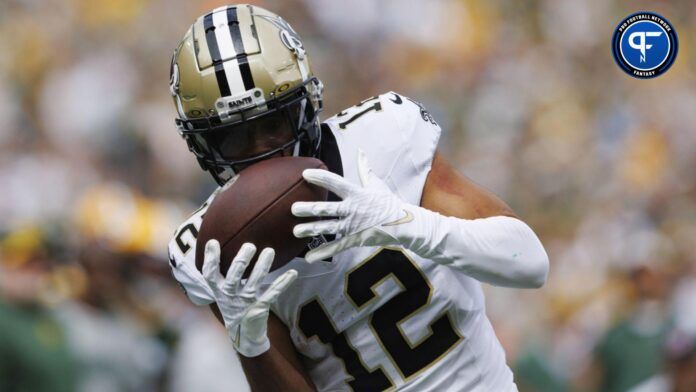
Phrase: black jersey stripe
(211,40)
(236,34)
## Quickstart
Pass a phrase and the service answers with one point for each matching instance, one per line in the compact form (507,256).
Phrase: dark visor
(251,138)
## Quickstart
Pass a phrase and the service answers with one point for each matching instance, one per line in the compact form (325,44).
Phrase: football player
(388,295)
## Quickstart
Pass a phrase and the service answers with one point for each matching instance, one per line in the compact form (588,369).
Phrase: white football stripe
(222,34)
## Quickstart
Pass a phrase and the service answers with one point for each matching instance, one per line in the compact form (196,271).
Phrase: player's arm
(262,340)
(479,233)
(451,194)
(281,360)
(480,237)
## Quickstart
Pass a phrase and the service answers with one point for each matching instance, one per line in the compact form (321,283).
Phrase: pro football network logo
(645,45)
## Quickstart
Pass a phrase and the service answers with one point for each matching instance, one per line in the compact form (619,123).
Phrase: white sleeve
(499,250)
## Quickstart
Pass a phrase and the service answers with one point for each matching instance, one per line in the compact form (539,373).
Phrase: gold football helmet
(244,90)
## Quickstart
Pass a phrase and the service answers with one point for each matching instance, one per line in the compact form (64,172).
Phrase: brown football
(255,208)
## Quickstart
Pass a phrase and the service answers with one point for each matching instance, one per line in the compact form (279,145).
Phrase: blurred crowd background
(94,179)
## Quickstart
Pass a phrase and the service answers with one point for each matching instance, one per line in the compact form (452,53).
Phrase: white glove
(366,215)
(243,310)
(500,250)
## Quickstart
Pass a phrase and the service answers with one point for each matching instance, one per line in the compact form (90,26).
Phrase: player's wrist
(253,349)
(249,341)
(416,229)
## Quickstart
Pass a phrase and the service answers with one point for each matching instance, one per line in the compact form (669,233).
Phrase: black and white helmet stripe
(234,74)
(238,43)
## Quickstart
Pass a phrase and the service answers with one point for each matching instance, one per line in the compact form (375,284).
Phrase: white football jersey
(378,318)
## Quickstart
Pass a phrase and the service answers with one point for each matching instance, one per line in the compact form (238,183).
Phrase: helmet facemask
(285,125)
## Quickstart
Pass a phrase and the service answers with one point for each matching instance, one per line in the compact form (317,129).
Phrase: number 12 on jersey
(408,359)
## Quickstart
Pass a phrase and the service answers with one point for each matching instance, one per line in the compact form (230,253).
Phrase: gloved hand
(368,215)
(243,309)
